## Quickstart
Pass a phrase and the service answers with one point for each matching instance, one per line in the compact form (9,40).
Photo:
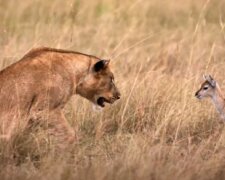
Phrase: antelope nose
(196,94)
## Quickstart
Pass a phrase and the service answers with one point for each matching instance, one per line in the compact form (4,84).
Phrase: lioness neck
(71,66)
(79,67)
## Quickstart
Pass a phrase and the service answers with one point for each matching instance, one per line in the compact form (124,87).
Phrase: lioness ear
(100,65)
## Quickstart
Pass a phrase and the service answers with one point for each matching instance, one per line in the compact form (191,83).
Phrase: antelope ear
(210,79)
(101,65)
(204,77)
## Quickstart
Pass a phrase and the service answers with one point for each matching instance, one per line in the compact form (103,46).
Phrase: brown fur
(210,88)
(39,85)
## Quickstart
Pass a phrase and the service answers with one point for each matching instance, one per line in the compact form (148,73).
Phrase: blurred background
(159,51)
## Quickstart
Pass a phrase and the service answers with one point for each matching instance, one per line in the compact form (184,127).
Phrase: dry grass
(159,51)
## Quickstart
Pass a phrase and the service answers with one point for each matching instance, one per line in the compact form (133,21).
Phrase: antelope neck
(218,101)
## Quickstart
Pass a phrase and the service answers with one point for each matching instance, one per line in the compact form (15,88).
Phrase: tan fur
(37,87)
(210,88)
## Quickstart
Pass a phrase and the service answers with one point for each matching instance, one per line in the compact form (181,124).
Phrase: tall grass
(159,51)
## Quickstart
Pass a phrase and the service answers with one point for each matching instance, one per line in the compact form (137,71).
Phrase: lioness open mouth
(101,101)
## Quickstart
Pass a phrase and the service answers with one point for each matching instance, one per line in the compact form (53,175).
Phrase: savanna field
(159,51)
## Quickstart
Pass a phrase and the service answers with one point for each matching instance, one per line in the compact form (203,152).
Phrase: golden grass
(159,51)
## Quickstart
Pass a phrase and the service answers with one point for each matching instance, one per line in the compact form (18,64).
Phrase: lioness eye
(205,88)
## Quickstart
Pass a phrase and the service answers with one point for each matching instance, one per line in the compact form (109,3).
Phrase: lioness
(37,87)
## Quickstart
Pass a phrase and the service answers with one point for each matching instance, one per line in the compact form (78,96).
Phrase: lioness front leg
(60,129)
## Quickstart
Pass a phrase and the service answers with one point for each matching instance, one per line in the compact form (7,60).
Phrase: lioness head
(98,85)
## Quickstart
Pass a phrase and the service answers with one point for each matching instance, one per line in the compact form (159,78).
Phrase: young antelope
(211,89)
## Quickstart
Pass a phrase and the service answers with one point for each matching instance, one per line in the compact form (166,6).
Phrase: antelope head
(208,88)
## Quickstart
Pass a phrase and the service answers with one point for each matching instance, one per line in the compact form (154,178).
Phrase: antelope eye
(205,88)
